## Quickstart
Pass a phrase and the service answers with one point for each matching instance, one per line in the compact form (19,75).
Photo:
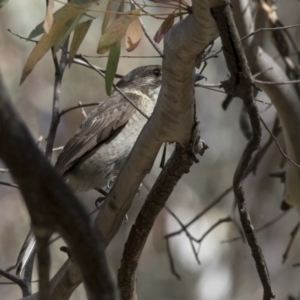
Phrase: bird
(100,146)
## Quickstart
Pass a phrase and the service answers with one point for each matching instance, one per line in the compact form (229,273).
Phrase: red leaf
(164,28)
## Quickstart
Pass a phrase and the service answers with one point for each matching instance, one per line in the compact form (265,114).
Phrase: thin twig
(76,107)
(278,145)
(289,246)
(205,85)
(202,213)
(191,239)
(277,83)
(22,37)
(21,283)
(259,229)
(124,56)
(262,72)
(154,45)
(269,29)
(171,261)
(79,61)
(59,71)
(9,184)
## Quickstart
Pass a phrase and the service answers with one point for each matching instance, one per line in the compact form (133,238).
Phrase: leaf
(164,28)
(91,4)
(116,31)
(111,66)
(106,16)
(65,20)
(3,2)
(133,35)
(113,58)
(79,34)
(49,16)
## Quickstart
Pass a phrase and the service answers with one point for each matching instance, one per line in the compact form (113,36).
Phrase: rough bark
(284,97)
(52,207)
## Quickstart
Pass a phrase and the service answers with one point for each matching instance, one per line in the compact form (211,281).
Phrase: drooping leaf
(120,8)
(113,57)
(3,2)
(60,43)
(111,66)
(106,16)
(39,29)
(48,22)
(164,28)
(79,34)
(116,31)
(65,20)
(133,35)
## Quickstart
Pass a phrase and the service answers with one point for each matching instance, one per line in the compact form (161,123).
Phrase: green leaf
(3,2)
(84,4)
(116,31)
(72,25)
(65,20)
(79,34)
(111,66)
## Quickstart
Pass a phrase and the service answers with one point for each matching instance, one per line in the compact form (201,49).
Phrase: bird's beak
(199,77)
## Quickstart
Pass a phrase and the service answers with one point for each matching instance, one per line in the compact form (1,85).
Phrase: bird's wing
(99,126)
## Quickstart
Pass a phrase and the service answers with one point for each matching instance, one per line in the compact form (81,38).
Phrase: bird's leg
(105,191)
(100,200)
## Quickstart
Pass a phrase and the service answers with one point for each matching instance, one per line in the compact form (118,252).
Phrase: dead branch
(240,85)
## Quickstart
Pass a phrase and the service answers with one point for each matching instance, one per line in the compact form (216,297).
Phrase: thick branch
(173,117)
(179,164)
(51,204)
(240,85)
(172,120)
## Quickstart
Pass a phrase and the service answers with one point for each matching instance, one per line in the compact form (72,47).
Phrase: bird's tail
(25,253)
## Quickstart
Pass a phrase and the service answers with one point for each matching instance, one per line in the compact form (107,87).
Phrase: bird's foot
(99,201)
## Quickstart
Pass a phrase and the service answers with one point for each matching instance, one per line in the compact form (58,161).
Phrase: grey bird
(104,140)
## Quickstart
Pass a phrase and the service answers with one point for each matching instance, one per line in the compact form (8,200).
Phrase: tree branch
(240,85)
(172,121)
(51,204)
(178,165)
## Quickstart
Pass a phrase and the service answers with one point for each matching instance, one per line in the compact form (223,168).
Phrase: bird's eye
(156,72)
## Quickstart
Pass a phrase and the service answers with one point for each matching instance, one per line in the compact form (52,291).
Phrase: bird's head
(146,79)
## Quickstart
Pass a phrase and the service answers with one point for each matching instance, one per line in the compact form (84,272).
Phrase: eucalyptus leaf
(111,66)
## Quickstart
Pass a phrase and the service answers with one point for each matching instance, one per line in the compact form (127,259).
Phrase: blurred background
(227,270)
